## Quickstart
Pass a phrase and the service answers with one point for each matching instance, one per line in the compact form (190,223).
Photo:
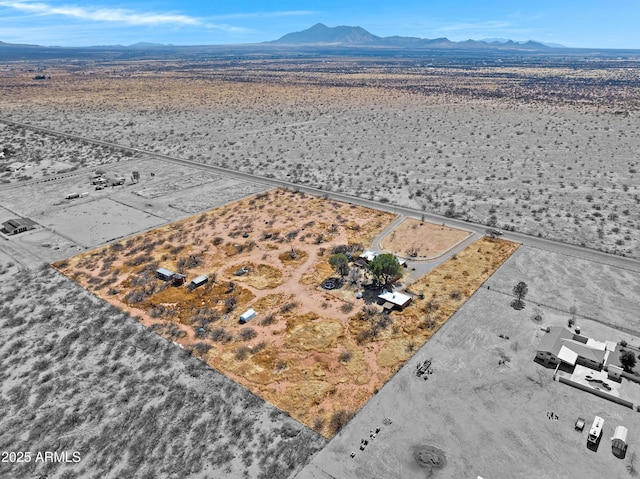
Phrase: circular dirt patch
(293,257)
(429,457)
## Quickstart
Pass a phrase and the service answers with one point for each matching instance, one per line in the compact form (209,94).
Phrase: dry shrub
(346,308)
(318,424)
(288,307)
(247,334)
(259,347)
(202,348)
(345,356)
(268,320)
(242,352)
(339,419)
(220,335)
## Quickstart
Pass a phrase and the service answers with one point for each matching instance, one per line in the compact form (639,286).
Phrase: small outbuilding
(164,274)
(178,279)
(199,281)
(16,166)
(394,300)
(247,316)
(619,441)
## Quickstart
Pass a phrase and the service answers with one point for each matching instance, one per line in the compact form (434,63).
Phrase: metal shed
(619,441)
(248,315)
(199,281)
(164,274)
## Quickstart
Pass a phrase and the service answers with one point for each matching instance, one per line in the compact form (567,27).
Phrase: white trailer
(596,430)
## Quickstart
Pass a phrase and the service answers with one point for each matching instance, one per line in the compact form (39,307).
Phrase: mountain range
(317,40)
(320,34)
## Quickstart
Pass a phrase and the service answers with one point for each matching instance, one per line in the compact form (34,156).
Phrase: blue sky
(586,23)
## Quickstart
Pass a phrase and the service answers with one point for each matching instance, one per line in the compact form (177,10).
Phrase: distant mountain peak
(320,34)
(149,44)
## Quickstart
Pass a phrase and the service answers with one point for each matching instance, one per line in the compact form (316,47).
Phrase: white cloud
(131,17)
(284,13)
(115,15)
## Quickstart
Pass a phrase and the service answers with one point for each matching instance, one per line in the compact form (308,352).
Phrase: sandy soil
(562,164)
(310,352)
(419,240)
(486,402)
(299,350)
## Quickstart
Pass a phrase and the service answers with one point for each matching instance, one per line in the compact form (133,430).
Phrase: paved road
(532,241)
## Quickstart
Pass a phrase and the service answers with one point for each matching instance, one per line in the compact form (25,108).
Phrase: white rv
(596,430)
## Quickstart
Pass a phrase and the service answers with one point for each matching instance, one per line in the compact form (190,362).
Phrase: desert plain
(163,382)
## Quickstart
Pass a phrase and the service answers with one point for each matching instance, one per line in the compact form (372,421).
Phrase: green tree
(340,264)
(520,290)
(385,269)
(628,360)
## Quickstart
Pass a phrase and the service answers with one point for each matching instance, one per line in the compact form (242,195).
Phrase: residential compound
(560,345)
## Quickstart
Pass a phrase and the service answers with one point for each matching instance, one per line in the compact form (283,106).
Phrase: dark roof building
(164,274)
(199,281)
(17,225)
